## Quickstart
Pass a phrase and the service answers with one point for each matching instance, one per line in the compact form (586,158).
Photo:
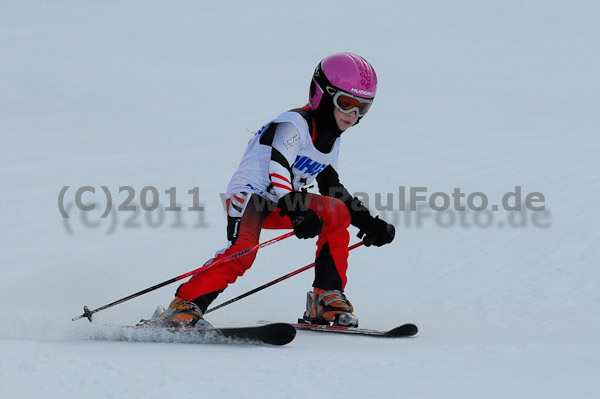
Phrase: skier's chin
(344,125)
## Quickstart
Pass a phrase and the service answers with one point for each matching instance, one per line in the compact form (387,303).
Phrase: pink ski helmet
(342,71)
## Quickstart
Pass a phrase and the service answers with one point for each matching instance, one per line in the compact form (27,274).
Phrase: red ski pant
(331,256)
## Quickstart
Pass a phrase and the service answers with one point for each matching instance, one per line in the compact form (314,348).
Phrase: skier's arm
(329,184)
(373,230)
(285,141)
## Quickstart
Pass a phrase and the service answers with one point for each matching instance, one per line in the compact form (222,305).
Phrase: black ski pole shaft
(88,313)
(267,285)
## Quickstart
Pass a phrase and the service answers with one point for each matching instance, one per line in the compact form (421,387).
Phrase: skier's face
(344,121)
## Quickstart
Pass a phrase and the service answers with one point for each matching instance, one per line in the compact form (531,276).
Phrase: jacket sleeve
(329,184)
(285,141)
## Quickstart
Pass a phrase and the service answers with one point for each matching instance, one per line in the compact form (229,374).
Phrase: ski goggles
(347,103)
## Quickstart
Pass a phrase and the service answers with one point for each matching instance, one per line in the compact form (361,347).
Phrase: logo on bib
(289,143)
(304,163)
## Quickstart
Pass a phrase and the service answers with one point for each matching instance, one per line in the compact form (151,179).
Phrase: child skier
(286,155)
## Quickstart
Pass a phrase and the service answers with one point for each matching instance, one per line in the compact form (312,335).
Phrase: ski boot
(180,313)
(329,306)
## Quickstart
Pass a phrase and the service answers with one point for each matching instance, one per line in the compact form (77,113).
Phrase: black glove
(307,224)
(372,230)
(377,233)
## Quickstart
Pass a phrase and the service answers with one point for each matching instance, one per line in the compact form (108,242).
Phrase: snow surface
(484,96)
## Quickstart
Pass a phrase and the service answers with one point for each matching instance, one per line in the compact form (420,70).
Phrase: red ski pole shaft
(280,279)
(235,255)
(88,313)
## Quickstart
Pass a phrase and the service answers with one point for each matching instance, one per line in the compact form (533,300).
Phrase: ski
(150,331)
(402,331)
(269,334)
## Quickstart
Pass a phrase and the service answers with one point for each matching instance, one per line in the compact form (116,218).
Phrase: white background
(483,96)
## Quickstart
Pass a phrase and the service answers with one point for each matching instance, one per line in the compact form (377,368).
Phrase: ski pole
(88,313)
(262,287)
